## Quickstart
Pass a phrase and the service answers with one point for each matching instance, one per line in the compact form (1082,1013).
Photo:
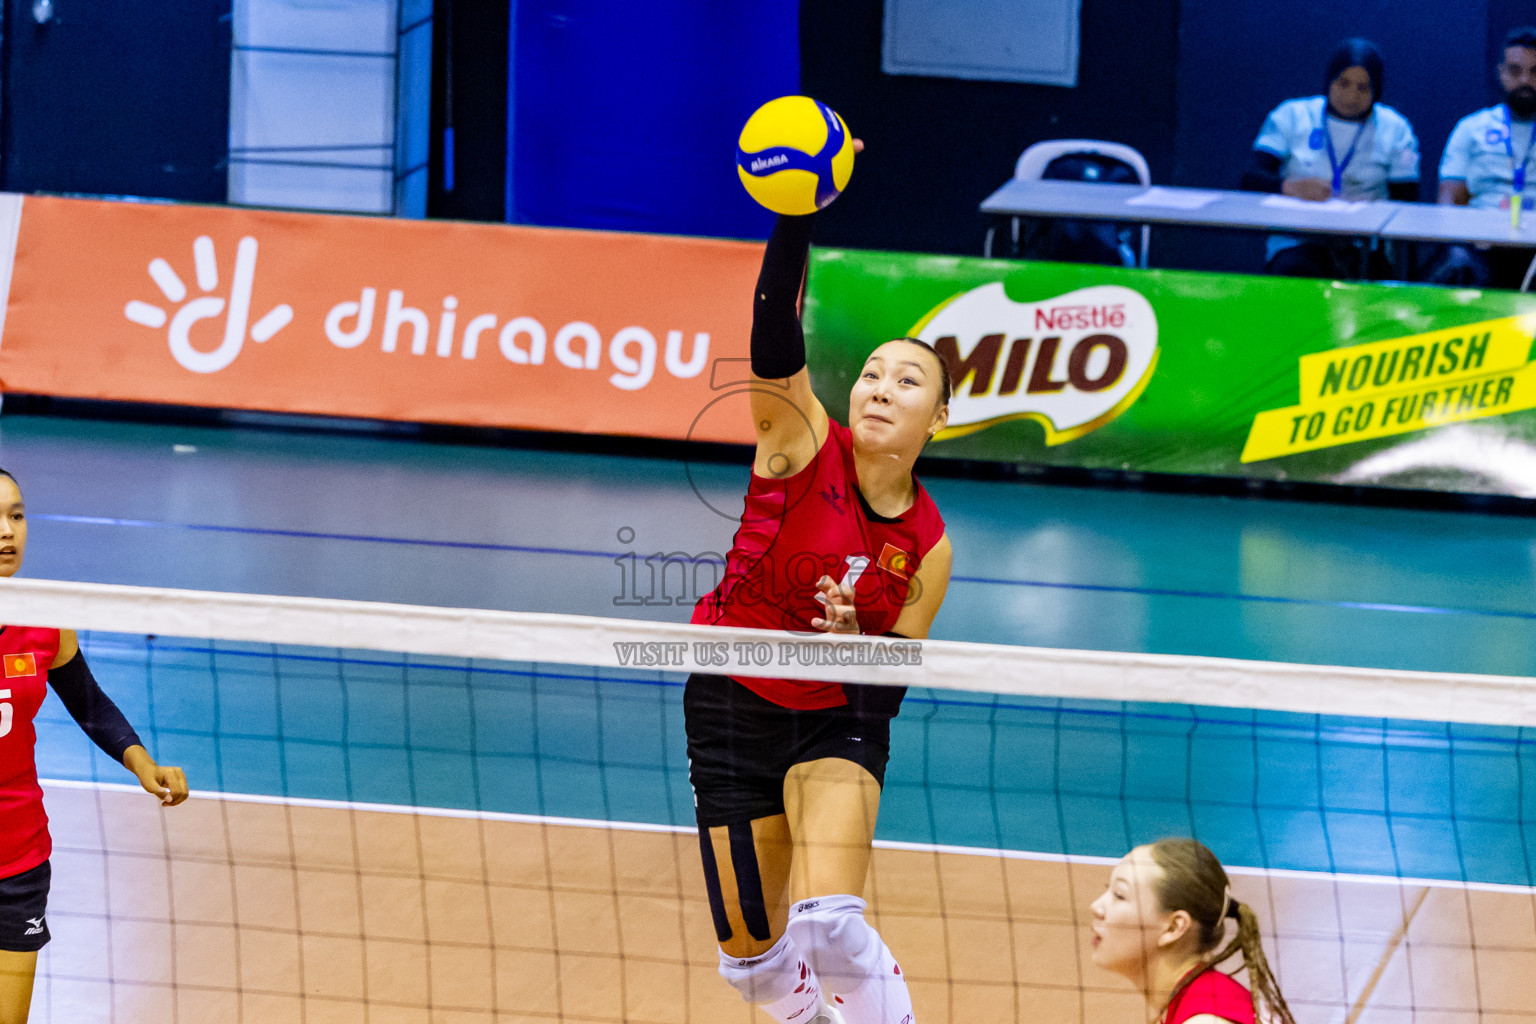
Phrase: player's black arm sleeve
(778,343)
(1403,191)
(91,708)
(1263,173)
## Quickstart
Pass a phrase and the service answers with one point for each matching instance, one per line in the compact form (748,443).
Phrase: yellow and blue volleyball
(794,155)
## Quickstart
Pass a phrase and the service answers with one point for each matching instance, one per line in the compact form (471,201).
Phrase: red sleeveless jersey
(812,524)
(25,655)
(1214,993)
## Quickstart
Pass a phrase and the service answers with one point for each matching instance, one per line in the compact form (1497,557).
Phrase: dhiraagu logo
(237,308)
(1070,363)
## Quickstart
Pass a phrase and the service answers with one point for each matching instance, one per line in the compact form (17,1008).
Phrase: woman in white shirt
(1342,145)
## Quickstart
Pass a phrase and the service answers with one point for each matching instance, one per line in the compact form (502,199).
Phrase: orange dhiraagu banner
(425,321)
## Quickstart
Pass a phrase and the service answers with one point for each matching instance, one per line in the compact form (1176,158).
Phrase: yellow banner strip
(1435,357)
(1361,417)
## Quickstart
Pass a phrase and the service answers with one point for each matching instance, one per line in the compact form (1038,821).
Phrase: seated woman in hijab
(1345,144)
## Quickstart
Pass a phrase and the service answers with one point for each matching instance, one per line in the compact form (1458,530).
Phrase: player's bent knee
(832,933)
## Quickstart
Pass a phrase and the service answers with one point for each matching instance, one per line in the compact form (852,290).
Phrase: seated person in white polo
(1345,144)
(1489,157)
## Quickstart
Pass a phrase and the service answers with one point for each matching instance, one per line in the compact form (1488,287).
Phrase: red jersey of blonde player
(25,655)
(1214,993)
(813,524)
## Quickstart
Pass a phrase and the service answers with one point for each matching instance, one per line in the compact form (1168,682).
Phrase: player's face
(1128,918)
(13,527)
(1350,94)
(894,406)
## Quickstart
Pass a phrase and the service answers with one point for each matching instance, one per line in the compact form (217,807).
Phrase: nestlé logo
(1071,363)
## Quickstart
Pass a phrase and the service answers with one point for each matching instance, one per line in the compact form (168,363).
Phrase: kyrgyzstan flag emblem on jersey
(20,665)
(896,561)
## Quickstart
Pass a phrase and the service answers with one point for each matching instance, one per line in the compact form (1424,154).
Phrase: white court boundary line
(945,664)
(880,844)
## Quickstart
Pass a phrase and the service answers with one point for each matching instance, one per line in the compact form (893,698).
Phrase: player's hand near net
(165,782)
(837,599)
(101,720)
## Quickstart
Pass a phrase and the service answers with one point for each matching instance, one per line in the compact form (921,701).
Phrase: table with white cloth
(1373,223)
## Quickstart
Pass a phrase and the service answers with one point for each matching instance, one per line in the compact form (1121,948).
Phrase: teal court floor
(391,519)
(1392,860)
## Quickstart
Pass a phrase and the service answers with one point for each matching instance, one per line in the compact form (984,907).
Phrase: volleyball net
(405,813)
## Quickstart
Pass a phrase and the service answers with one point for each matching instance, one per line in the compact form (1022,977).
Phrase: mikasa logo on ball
(772,161)
(1071,363)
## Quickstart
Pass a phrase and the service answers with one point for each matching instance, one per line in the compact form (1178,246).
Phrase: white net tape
(622,643)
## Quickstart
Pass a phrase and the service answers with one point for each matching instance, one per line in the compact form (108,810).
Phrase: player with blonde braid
(1162,923)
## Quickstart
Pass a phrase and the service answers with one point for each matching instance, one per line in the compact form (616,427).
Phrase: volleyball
(795,155)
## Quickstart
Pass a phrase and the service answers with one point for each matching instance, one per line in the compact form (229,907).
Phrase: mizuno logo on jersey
(831,497)
(37,926)
(896,561)
(20,665)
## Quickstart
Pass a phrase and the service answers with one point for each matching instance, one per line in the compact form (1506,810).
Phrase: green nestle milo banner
(1180,372)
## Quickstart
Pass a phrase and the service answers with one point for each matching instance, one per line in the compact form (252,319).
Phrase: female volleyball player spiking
(1161,923)
(34,658)
(837,536)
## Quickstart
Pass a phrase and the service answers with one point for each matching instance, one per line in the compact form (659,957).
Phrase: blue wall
(938,146)
(1237,60)
(1187,83)
(624,115)
(122,98)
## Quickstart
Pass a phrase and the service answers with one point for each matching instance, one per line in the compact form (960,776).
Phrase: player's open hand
(837,601)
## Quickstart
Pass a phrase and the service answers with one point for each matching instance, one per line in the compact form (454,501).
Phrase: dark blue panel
(1237,61)
(123,98)
(625,115)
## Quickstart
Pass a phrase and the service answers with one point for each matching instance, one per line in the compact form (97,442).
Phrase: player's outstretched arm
(105,724)
(789,420)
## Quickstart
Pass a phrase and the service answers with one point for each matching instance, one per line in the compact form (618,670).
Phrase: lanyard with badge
(1334,162)
(1518,176)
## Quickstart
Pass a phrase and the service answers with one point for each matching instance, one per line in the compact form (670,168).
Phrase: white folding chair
(1034,160)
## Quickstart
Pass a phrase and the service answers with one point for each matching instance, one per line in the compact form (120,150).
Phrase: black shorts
(24,909)
(740,745)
